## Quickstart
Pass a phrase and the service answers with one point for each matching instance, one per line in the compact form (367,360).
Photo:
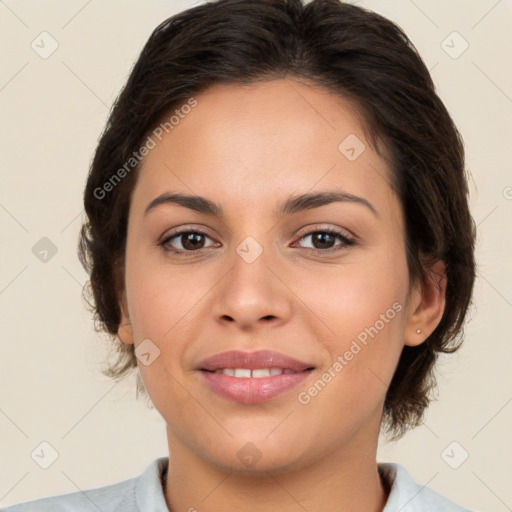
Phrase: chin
(258,454)
(253,462)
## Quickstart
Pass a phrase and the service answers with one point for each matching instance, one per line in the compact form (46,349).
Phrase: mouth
(247,373)
(253,377)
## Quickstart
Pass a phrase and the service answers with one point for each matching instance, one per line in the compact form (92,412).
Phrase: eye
(189,240)
(323,239)
(193,240)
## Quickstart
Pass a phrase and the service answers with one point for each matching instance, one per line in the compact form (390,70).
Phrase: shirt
(145,494)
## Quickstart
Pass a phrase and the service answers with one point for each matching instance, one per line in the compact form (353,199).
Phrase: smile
(253,377)
(246,373)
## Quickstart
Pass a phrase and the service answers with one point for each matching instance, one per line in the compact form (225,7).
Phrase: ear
(426,306)
(125,332)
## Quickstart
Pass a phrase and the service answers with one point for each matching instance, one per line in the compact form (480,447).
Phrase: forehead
(255,141)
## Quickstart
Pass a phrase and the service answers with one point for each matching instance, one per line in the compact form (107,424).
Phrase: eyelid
(347,238)
(184,229)
(305,231)
(327,227)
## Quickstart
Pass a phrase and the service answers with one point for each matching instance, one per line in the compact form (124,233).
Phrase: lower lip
(253,390)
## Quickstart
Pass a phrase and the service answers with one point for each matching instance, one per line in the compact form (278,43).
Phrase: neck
(347,480)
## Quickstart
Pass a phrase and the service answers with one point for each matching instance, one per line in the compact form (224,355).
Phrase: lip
(253,390)
(252,361)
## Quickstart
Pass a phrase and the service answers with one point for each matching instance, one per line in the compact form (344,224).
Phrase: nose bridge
(251,291)
(250,250)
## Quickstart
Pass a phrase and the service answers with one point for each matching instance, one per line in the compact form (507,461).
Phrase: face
(330,309)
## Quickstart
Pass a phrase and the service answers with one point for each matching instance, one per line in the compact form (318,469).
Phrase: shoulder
(140,493)
(408,496)
(105,499)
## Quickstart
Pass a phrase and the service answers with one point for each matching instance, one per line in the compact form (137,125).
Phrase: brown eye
(324,240)
(187,241)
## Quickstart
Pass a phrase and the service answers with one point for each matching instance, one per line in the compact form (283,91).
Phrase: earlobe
(428,307)
(125,331)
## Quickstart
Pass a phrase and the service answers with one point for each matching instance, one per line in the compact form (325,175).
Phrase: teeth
(242,373)
(264,372)
(245,373)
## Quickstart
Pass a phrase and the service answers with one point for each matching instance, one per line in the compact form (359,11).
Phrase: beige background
(52,113)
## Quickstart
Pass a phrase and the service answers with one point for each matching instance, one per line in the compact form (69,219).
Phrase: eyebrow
(292,205)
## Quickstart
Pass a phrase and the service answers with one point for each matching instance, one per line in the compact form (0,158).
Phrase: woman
(280,240)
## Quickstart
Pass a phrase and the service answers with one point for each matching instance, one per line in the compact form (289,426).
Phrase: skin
(248,148)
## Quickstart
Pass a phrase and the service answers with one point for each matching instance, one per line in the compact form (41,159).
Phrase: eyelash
(346,241)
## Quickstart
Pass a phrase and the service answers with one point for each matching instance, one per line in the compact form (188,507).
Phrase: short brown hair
(354,52)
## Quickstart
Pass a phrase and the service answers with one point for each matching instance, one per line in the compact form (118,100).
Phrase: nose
(253,293)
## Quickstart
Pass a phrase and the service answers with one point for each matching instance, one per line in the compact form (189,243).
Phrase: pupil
(321,237)
(190,240)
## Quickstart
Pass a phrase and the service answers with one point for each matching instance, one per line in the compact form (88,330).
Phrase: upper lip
(253,361)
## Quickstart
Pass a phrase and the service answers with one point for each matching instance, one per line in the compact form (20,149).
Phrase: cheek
(167,306)
(362,323)
(162,310)
(362,311)
(349,298)
(160,297)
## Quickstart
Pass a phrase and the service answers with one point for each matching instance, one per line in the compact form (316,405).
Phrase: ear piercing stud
(418,331)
